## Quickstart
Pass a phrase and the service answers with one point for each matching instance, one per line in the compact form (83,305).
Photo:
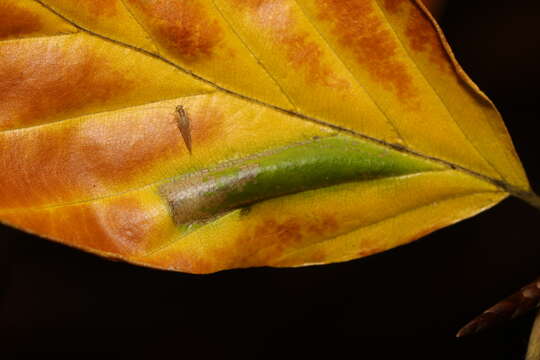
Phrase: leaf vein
(316,28)
(143,28)
(67,120)
(38,37)
(502,184)
(253,54)
(437,94)
(410,210)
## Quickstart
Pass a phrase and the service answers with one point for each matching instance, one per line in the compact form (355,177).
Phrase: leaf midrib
(505,186)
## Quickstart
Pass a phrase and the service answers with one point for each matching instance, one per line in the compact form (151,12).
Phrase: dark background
(408,302)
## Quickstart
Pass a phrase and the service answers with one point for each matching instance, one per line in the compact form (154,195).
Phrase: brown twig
(518,304)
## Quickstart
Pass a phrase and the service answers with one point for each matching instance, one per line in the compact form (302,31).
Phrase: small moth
(184,124)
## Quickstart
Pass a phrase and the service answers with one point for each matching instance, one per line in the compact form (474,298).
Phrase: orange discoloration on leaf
(423,38)
(420,33)
(303,53)
(16,21)
(252,4)
(259,244)
(33,94)
(317,257)
(393,5)
(100,7)
(373,44)
(123,149)
(92,155)
(27,185)
(206,124)
(182,27)
(271,238)
(276,18)
(125,224)
(326,224)
(121,226)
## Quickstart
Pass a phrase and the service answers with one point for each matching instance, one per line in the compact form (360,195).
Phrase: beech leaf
(205,135)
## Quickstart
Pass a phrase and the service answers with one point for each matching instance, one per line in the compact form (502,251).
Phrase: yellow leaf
(204,135)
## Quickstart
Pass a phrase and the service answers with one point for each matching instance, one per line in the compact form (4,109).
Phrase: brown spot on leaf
(266,241)
(276,17)
(358,27)
(45,81)
(16,21)
(182,27)
(326,224)
(259,245)
(306,54)
(420,32)
(393,5)
(423,37)
(271,238)
(122,223)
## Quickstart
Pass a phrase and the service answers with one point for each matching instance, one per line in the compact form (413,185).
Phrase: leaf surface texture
(320,130)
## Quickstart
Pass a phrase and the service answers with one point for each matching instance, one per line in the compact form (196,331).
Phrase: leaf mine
(283,171)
